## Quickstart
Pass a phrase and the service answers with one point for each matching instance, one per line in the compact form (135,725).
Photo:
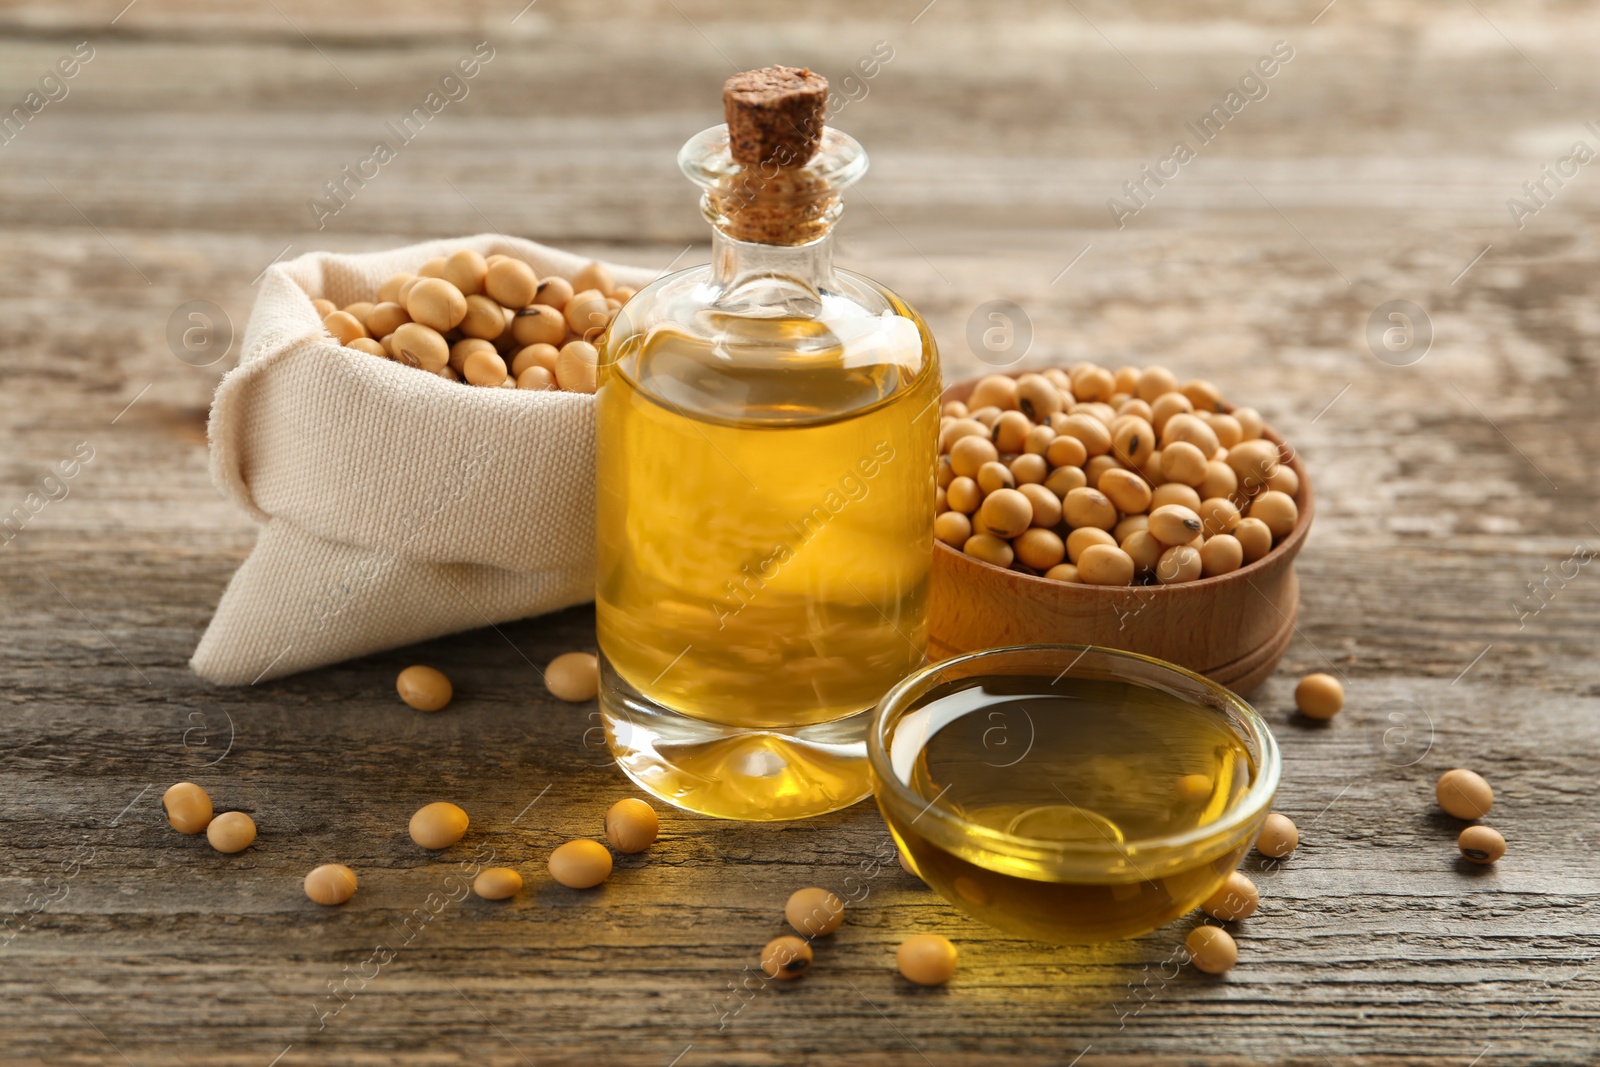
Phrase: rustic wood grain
(181,163)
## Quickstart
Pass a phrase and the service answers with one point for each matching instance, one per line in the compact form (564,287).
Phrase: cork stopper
(774,115)
(791,207)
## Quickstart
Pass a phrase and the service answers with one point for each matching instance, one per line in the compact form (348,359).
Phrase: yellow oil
(764,535)
(1098,762)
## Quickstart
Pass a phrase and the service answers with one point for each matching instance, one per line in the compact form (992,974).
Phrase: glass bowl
(1116,727)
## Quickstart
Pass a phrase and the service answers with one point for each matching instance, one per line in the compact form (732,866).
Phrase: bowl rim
(1253,805)
(1286,549)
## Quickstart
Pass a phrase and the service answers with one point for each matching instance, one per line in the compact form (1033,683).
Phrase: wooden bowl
(1232,628)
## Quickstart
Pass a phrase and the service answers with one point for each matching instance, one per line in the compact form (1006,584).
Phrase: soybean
(814,912)
(1094,434)
(1250,423)
(1105,565)
(537,354)
(1062,572)
(968,454)
(1155,382)
(1030,469)
(995,390)
(1180,563)
(1183,462)
(1133,440)
(786,957)
(1089,507)
(1278,836)
(1464,794)
(484,368)
(1011,431)
(1254,538)
(331,883)
(1319,696)
(553,292)
(1064,480)
(1237,898)
(418,345)
(587,313)
(1144,550)
(232,831)
(989,549)
(1284,480)
(1046,505)
(953,528)
(1037,397)
(573,677)
(511,283)
(465,270)
(1174,493)
(995,475)
(576,366)
(1174,524)
(1005,513)
(1065,451)
(963,495)
(484,318)
(536,378)
(344,326)
(1277,510)
(926,959)
(389,291)
(580,864)
(438,825)
(539,324)
(424,688)
(1212,949)
(436,304)
(497,883)
(631,825)
(1219,514)
(1481,844)
(466,347)
(1253,461)
(1221,554)
(1085,536)
(593,275)
(1126,490)
(1039,548)
(1189,429)
(188,807)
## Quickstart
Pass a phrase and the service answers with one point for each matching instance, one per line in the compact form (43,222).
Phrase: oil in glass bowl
(1076,809)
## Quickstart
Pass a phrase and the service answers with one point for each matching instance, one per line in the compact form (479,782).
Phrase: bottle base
(752,774)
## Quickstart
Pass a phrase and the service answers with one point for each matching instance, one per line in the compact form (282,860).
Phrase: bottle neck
(772,243)
(737,264)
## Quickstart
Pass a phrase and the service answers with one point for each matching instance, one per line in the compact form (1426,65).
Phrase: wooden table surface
(1447,579)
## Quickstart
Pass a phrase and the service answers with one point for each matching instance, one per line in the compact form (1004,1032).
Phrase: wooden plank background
(1378,167)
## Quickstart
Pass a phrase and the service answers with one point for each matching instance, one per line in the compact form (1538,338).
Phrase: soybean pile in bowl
(1231,626)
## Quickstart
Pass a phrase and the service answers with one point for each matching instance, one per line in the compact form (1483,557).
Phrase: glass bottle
(766,443)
